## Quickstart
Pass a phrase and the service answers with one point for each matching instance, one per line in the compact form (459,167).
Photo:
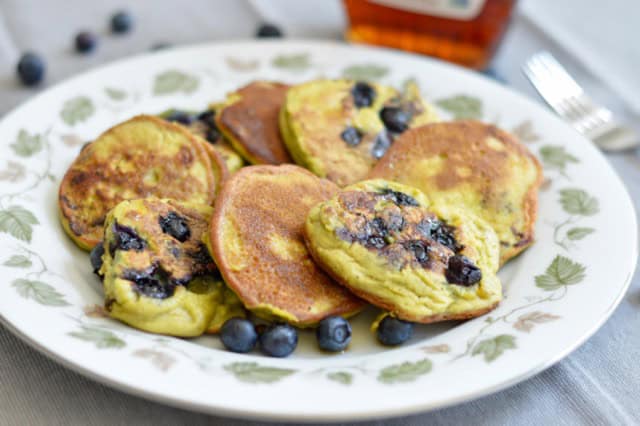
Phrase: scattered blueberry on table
(333,334)
(279,340)
(86,42)
(238,335)
(121,22)
(393,331)
(267,30)
(31,69)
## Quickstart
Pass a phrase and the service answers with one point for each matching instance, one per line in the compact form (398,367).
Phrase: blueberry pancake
(144,156)
(249,120)
(476,167)
(157,273)
(422,262)
(204,125)
(256,240)
(339,129)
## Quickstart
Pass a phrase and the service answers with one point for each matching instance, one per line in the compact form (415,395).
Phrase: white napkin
(603,35)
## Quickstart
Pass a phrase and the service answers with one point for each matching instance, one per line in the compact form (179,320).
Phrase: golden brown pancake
(257,243)
(144,156)
(249,120)
(475,166)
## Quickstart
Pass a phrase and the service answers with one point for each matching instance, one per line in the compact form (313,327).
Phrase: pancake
(335,128)
(391,246)
(157,273)
(257,243)
(249,120)
(475,166)
(204,125)
(144,156)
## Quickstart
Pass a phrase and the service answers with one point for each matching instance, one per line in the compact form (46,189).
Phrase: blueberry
(439,232)
(399,198)
(395,119)
(267,30)
(419,249)
(333,334)
(31,69)
(154,284)
(279,340)
(363,94)
(381,144)
(461,270)
(201,256)
(121,22)
(126,239)
(375,242)
(393,331)
(86,42)
(238,335)
(177,116)
(351,136)
(176,226)
(96,257)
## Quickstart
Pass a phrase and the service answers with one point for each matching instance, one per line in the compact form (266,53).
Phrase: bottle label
(463,10)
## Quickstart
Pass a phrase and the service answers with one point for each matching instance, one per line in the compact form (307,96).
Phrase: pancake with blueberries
(204,125)
(249,120)
(421,261)
(475,166)
(144,156)
(339,129)
(257,243)
(157,273)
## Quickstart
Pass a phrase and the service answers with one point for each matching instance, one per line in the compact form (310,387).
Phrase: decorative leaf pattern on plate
(555,157)
(41,292)
(243,65)
(174,81)
(77,110)
(102,339)
(575,234)
(162,361)
(14,172)
(342,377)
(365,72)
(562,271)
(493,347)
(462,106)
(526,322)
(26,145)
(437,349)
(18,261)
(578,202)
(17,221)
(405,372)
(293,62)
(252,372)
(525,132)
(115,94)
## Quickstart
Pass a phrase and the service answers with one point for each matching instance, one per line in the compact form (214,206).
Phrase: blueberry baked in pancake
(421,261)
(156,269)
(339,129)
(144,156)
(476,167)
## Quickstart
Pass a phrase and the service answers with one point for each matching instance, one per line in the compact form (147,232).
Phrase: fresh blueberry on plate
(238,335)
(333,334)
(393,331)
(279,340)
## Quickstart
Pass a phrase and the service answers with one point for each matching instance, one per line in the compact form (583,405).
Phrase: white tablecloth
(598,384)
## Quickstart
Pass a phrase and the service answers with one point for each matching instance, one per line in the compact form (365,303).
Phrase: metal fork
(565,96)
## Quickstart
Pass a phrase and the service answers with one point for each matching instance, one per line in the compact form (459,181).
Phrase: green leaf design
(365,72)
(115,94)
(562,271)
(252,372)
(405,372)
(174,81)
(342,377)
(41,292)
(462,106)
(492,348)
(26,145)
(103,339)
(577,201)
(579,233)
(77,110)
(18,261)
(555,157)
(17,221)
(295,62)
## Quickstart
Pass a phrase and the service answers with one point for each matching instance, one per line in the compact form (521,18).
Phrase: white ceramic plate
(556,294)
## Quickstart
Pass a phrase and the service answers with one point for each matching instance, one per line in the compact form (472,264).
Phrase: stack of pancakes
(355,194)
